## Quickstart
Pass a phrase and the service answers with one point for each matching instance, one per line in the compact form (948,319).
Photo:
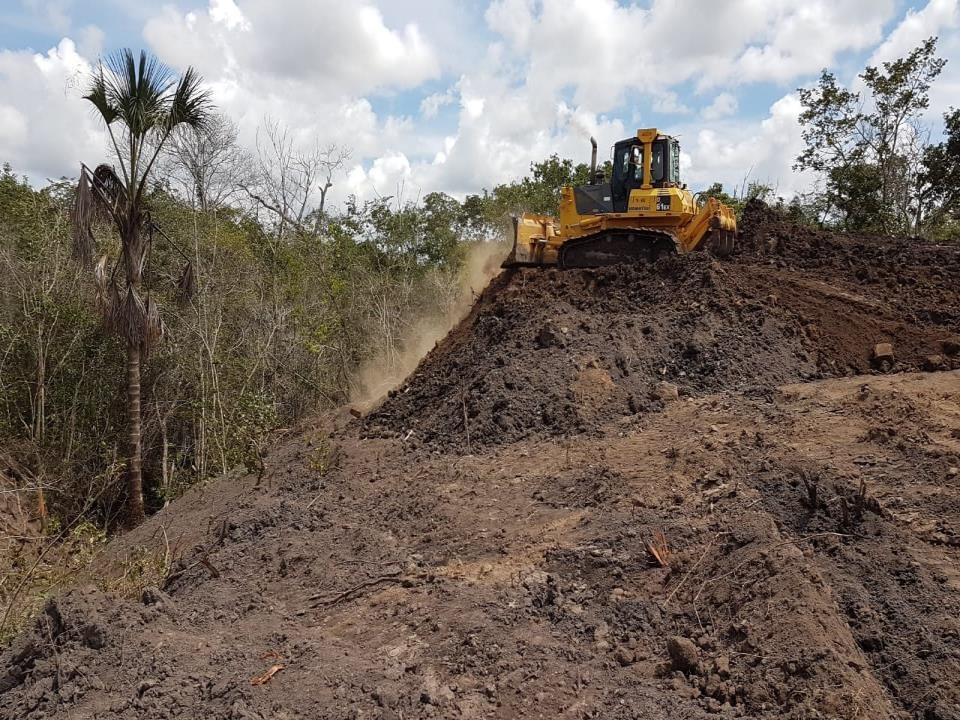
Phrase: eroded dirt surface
(778,541)
(810,544)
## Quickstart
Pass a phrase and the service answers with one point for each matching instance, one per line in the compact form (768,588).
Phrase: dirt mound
(806,566)
(560,352)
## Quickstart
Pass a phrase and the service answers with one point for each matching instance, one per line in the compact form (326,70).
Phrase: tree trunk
(134,476)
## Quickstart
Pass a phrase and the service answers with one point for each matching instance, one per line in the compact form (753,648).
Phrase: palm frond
(99,197)
(153,327)
(130,318)
(84,210)
(187,284)
(99,97)
(111,186)
(112,306)
(100,280)
(138,89)
(189,104)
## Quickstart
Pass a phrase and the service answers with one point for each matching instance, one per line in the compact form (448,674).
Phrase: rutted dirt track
(533,527)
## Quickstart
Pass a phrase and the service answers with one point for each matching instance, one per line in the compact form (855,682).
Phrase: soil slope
(566,351)
(780,540)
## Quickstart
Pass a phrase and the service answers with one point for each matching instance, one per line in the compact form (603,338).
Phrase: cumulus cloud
(517,80)
(736,153)
(430,105)
(669,103)
(940,18)
(603,49)
(335,47)
(723,105)
(55,14)
(917,26)
(46,129)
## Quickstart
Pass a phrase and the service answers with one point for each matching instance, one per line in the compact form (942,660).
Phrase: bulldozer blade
(531,241)
(721,243)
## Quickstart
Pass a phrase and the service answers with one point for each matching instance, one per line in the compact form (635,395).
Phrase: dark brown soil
(746,550)
(794,304)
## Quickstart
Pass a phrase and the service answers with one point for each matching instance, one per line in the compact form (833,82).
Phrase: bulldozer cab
(632,169)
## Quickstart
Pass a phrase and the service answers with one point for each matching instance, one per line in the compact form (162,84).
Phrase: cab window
(632,162)
(659,161)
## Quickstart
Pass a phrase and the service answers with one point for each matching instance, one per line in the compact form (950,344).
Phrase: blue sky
(456,96)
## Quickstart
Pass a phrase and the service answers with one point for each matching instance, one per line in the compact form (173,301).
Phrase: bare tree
(332,159)
(287,179)
(208,166)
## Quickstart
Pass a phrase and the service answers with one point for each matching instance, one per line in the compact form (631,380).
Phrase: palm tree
(141,101)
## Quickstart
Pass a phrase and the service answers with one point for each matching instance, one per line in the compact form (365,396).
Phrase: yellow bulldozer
(641,212)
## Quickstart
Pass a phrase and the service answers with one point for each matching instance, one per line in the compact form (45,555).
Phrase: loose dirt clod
(684,655)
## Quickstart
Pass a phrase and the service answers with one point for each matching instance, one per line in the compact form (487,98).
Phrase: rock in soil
(684,655)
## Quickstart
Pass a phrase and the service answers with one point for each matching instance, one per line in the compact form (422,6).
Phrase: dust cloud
(381,374)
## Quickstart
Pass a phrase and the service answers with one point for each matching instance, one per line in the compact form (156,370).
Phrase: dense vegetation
(881,171)
(285,316)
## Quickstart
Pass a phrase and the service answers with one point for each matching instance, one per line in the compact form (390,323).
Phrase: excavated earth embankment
(564,352)
(689,490)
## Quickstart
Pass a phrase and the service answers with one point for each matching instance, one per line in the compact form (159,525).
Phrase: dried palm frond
(110,186)
(100,196)
(112,304)
(130,319)
(187,284)
(134,254)
(84,209)
(100,280)
(153,327)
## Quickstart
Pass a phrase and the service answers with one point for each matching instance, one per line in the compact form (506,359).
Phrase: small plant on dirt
(811,484)
(851,511)
(30,579)
(325,456)
(143,567)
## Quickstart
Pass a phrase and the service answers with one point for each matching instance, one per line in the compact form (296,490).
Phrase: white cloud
(90,40)
(310,67)
(226,13)
(602,49)
(737,153)
(536,77)
(13,127)
(46,129)
(337,48)
(917,26)
(668,103)
(55,14)
(388,176)
(430,105)
(805,37)
(940,18)
(723,105)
